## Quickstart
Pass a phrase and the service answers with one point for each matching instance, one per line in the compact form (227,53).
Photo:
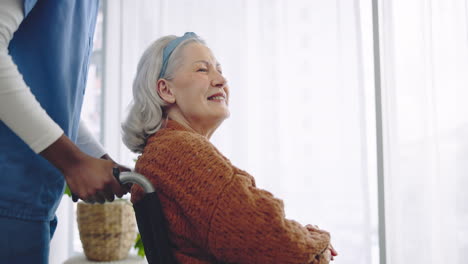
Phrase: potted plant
(107,231)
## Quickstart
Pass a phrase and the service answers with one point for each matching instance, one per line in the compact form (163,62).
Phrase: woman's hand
(332,252)
(323,258)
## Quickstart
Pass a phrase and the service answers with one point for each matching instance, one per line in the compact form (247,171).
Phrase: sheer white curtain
(300,122)
(302,109)
(425,84)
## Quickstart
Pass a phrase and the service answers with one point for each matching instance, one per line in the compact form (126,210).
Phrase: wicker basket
(107,231)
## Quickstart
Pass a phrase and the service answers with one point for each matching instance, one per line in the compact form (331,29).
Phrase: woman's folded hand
(331,252)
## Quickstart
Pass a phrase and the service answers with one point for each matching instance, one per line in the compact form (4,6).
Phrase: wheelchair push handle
(133,177)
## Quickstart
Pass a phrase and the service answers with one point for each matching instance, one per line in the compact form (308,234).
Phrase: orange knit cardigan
(213,209)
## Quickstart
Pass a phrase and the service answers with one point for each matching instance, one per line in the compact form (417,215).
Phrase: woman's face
(200,90)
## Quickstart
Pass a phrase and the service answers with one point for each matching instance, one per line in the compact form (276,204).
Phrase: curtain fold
(425,80)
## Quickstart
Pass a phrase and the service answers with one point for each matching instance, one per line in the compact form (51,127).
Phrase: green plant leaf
(139,245)
(67,191)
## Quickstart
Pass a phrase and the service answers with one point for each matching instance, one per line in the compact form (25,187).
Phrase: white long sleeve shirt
(19,109)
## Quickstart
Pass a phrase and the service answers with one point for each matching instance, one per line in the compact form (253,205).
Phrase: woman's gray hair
(147,110)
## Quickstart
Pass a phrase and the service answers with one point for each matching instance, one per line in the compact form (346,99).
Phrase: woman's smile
(218,97)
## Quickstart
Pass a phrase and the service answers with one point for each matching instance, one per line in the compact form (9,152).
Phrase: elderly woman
(214,211)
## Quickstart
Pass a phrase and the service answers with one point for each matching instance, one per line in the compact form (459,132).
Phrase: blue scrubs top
(51,49)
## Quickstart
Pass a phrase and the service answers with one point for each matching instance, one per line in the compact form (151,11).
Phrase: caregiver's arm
(89,145)
(19,109)
(22,113)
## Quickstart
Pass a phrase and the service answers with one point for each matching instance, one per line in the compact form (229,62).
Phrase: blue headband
(171,47)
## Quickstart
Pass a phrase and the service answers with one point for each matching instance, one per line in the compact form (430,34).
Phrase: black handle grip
(116,173)
(74,198)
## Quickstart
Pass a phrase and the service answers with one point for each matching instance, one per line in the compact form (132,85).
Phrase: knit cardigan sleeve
(249,226)
(241,223)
